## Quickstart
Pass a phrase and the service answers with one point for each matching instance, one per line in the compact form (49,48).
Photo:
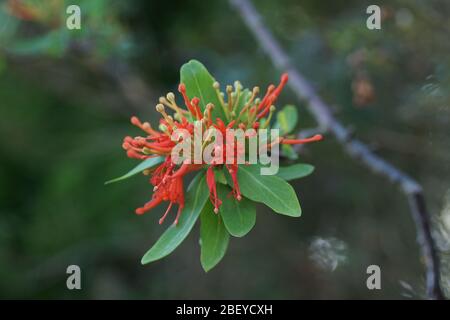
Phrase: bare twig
(355,148)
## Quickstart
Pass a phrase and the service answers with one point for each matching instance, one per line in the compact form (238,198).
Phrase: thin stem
(355,148)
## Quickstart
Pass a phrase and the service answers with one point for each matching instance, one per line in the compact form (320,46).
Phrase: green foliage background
(65,105)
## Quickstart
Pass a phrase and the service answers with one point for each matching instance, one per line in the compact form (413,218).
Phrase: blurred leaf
(196,196)
(295,171)
(96,10)
(286,119)
(289,152)
(199,83)
(2,64)
(146,164)
(220,176)
(239,217)
(8,26)
(53,43)
(214,238)
(270,190)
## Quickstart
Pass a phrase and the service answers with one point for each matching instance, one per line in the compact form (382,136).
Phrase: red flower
(167,178)
(211,182)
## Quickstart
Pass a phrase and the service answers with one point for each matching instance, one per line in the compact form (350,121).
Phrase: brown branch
(355,148)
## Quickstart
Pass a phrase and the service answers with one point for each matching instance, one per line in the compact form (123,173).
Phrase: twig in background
(355,148)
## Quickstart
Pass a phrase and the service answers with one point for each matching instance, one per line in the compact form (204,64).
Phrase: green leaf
(289,152)
(286,119)
(220,177)
(270,190)
(239,217)
(214,238)
(295,171)
(199,83)
(196,197)
(146,164)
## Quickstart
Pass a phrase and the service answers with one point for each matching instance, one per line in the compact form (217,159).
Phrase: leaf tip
(206,267)
(298,214)
(194,61)
(145,260)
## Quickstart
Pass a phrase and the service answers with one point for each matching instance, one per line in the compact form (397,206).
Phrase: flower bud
(160,107)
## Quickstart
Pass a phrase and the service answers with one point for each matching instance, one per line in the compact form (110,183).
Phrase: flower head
(241,110)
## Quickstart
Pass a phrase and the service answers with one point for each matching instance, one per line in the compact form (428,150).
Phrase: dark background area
(65,102)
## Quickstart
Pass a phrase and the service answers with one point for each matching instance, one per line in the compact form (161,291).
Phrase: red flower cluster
(167,178)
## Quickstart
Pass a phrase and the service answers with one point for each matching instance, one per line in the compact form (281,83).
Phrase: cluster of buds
(242,109)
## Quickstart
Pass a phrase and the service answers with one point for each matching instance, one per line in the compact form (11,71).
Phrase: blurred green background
(65,102)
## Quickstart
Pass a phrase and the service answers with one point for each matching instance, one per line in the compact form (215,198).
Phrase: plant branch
(355,148)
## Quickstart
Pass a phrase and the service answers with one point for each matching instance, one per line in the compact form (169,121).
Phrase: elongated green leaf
(295,171)
(239,217)
(214,238)
(286,119)
(146,164)
(195,201)
(199,83)
(273,191)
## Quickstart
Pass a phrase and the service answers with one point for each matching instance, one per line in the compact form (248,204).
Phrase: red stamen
(143,126)
(220,125)
(283,81)
(317,137)
(266,96)
(182,90)
(233,170)
(231,124)
(211,182)
(165,214)
(149,205)
(180,209)
(181,172)
(269,100)
(134,155)
(195,101)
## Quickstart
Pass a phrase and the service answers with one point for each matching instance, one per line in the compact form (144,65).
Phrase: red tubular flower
(233,170)
(195,101)
(317,137)
(167,178)
(211,182)
(190,107)
(266,97)
(271,96)
(170,190)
